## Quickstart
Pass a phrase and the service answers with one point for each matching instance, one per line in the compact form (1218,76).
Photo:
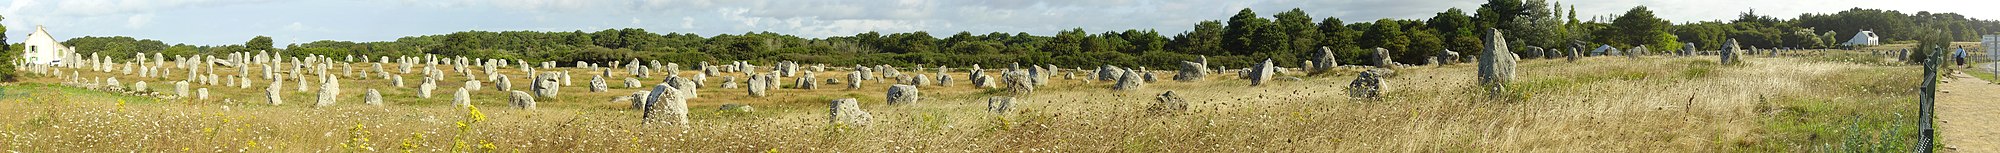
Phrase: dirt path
(1969,112)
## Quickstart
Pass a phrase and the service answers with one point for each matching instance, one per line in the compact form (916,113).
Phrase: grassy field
(1817,102)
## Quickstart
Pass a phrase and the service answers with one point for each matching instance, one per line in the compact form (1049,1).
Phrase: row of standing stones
(667,101)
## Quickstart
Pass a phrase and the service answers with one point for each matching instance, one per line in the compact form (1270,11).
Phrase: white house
(44,49)
(1863,38)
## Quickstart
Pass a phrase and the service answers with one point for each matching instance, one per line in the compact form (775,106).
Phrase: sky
(222,22)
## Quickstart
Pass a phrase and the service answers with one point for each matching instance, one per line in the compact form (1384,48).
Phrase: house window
(31,49)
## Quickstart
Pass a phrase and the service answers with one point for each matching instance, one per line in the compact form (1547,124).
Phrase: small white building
(1863,38)
(44,49)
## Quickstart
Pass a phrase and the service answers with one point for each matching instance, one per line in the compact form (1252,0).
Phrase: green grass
(1819,123)
(28,92)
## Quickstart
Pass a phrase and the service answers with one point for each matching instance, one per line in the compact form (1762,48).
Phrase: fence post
(1925,101)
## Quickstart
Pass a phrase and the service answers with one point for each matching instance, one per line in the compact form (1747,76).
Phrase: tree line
(1287,37)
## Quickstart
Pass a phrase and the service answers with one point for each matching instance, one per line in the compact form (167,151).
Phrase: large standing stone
(1191,71)
(1108,73)
(1687,50)
(140,87)
(1729,50)
(475,85)
(758,85)
(943,79)
(902,94)
(1322,63)
(1016,82)
(1167,104)
(502,84)
(461,98)
(275,94)
(521,99)
(1261,72)
(1368,85)
(181,89)
(1130,80)
(686,87)
(631,83)
(847,112)
(546,85)
(1382,59)
(665,104)
(1496,64)
(373,98)
(329,93)
(597,84)
(1000,104)
(424,89)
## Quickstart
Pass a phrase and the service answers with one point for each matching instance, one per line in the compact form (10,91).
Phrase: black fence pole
(1926,100)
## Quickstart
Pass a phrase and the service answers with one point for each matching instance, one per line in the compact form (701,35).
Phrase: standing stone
(597,84)
(1729,50)
(1148,76)
(1496,64)
(1017,84)
(1108,73)
(665,104)
(275,94)
(847,112)
(1687,50)
(546,85)
(685,86)
(140,87)
(475,85)
(1382,59)
(328,93)
(1129,81)
(729,82)
(424,89)
(631,83)
(1261,73)
(1368,85)
(181,89)
(1320,64)
(373,98)
(1167,104)
(521,99)
(919,80)
(461,98)
(397,80)
(1191,71)
(902,94)
(854,80)
(503,84)
(1000,104)
(1575,53)
(758,85)
(201,93)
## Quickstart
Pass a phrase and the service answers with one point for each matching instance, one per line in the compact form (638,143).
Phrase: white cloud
(138,21)
(687,22)
(109,7)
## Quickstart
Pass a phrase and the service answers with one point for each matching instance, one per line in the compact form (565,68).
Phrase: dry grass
(1599,104)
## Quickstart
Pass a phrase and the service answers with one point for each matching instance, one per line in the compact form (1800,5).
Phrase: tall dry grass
(1599,104)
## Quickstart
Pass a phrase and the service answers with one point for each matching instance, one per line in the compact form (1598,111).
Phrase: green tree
(1386,34)
(259,43)
(1302,33)
(1205,39)
(1638,26)
(1455,31)
(1424,43)
(7,55)
(1335,34)
(1239,37)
